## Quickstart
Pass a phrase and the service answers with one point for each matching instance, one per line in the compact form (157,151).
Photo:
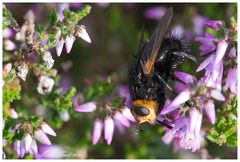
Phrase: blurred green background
(115,31)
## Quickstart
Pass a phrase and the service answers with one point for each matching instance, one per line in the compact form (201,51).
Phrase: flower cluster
(26,55)
(80,31)
(36,41)
(198,96)
(26,133)
(28,143)
(108,114)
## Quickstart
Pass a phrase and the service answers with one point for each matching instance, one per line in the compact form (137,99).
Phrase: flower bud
(7,68)
(59,47)
(82,33)
(9,45)
(47,129)
(97,130)
(42,137)
(69,43)
(27,141)
(108,129)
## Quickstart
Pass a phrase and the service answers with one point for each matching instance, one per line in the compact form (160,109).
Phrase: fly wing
(156,41)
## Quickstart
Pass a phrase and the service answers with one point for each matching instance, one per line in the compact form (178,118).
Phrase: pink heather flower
(82,33)
(195,121)
(205,63)
(119,120)
(127,114)
(42,137)
(154,13)
(178,125)
(179,86)
(180,99)
(216,94)
(47,129)
(107,116)
(4,142)
(213,75)
(168,137)
(186,132)
(190,141)
(8,33)
(22,149)
(118,117)
(7,68)
(221,50)
(33,148)
(232,53)
(214,24)
(28,143)
(216,69)
(198,24)
(108,129)
(9,45)
(60,8)
(181,131)
(185,77)
(59,47)
(50,152)
(27,140)
(207,44)
(97,131)
(69,43)
(231,81)
(119,127)
(86,107)
(218,84)
(209,108)
(13,113)
(16,147)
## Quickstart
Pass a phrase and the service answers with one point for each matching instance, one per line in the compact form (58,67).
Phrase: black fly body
(151,68)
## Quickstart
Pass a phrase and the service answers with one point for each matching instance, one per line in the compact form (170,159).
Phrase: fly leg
(165,123)
(181,57)
(184,55)
(164,82)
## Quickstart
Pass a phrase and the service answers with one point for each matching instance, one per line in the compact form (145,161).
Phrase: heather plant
(51,112)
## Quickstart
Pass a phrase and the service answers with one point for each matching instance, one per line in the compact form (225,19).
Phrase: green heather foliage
(225,129)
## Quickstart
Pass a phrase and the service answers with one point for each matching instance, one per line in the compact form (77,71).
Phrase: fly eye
(141,111)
